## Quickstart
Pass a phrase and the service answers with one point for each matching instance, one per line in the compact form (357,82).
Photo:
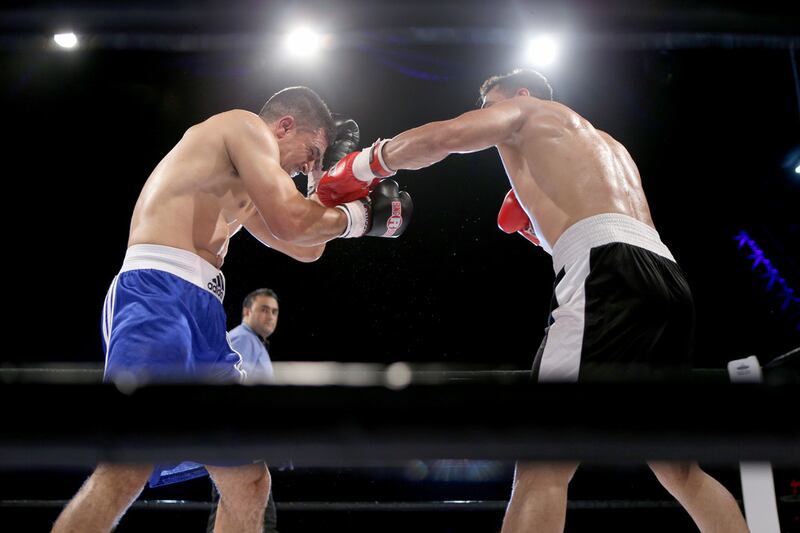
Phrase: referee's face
(262,316)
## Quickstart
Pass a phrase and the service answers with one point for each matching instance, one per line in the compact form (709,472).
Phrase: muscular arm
(471,132)
(285,212)
(257,228)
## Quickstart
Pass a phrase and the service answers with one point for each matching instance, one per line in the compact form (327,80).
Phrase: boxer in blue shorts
(620,301)
(163,320)
(161,286)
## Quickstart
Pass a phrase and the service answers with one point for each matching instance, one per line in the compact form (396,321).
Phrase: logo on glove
(394,222)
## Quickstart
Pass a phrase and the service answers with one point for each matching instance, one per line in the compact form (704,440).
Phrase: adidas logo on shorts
(217,286)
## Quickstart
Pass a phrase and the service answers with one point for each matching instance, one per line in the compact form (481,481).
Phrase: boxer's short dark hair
(520,78)
(308,109)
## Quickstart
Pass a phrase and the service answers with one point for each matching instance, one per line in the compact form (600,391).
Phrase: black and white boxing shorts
(621,307)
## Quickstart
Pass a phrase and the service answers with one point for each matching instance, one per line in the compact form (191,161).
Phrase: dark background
(710,128)
(711,123)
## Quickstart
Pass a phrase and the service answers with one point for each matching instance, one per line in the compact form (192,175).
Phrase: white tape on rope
(758,487)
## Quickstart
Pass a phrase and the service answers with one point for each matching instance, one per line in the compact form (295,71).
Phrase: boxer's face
(301,149)
(262,316)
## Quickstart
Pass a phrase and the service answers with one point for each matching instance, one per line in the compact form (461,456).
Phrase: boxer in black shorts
(620,299)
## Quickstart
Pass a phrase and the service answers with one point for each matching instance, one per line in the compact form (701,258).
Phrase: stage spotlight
(791,163)
(303,42)
(542,50)
(66,40)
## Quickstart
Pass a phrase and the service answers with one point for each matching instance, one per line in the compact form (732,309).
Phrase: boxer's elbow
(309,254)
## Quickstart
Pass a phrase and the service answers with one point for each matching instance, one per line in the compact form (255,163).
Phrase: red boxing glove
(512,218)
(354,176)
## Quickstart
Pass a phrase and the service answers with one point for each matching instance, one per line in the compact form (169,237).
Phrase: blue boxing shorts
(163,322)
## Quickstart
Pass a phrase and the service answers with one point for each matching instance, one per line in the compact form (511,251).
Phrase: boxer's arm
(285,212)
(473,131)
(257,228)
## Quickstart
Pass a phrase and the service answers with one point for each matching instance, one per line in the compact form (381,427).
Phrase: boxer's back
(565,170)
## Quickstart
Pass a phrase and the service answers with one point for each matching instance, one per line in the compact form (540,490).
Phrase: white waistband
(181,263)
(604,229)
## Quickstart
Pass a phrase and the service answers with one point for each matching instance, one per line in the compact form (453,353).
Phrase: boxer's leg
(538,498)
(709,504)
(103,499)
(243,493)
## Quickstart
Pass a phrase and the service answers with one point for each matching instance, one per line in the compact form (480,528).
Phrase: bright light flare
(542,50)
(66,40)
(303,42)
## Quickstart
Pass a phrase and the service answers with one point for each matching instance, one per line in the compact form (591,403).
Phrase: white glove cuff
(379,154)
(361,169)
(366,169)
(356,219)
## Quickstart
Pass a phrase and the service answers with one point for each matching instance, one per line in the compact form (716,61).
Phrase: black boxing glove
(386,212)
(346,141)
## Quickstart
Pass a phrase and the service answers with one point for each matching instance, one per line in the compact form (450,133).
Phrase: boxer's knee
(543,476)
(674,476)
(248,484)
(260,483)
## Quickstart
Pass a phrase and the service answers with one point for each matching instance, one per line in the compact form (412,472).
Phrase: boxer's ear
(285,125)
